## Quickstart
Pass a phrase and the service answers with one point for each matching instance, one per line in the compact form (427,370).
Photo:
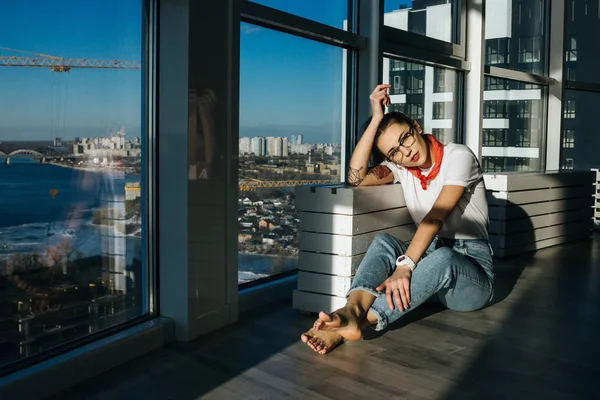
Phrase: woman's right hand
(379,99)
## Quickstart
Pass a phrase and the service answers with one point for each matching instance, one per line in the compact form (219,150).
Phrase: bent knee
(382,237)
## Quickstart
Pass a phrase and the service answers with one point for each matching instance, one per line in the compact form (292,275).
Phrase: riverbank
(100,168)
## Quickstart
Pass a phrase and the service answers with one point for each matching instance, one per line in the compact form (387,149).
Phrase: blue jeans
(458,271)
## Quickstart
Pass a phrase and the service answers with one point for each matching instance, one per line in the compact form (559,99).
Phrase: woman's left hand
(398,286)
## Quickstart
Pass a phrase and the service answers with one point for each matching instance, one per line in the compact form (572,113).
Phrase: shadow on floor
(548,346)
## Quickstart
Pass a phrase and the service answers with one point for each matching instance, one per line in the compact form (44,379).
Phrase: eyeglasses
(406,140)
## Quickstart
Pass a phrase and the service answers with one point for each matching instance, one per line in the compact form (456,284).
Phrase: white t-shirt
(469,219)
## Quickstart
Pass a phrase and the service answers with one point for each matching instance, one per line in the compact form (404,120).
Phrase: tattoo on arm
(353,177)
(380,171)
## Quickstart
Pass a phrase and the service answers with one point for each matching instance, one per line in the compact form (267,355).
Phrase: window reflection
(515,36)
(580,142)
(428,18)
(71,148)
(426,94)
(512,125)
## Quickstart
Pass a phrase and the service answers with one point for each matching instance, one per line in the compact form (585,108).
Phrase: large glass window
(330,12)
(422,97)
(71,148)
(428,18)
(291,112)
(580,141)
(515,36)
(513,125)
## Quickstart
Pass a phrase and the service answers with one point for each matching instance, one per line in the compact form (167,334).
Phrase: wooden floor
(540,340)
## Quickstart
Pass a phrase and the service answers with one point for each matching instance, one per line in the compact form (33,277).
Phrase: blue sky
(288,85)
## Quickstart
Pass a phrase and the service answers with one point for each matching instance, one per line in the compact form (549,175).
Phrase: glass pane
(330,12)
(582,30)
(515,36)
(428,18)
(580,142)
(291,113)
(71,215)
(427,94)
(513,128)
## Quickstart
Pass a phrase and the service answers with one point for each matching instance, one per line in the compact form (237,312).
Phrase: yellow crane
(247,184)
(61,64)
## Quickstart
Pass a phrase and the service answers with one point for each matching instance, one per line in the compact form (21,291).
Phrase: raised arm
(358,173)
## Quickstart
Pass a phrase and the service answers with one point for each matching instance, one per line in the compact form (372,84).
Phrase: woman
(449,255)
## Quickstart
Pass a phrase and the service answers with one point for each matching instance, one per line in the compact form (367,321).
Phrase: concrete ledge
(52,376)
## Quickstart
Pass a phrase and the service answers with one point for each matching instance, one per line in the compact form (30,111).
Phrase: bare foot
(330,329)
(321,341)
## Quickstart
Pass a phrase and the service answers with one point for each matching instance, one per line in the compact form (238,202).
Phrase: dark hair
(393,117)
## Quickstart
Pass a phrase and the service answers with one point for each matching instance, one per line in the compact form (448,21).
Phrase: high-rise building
(299,139)
(274,146)
(285,150)
(245,146)
(258,146)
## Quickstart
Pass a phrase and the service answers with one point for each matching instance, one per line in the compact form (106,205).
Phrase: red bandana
(438,151)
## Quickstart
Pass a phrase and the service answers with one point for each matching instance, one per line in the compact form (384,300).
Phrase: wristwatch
(405,260)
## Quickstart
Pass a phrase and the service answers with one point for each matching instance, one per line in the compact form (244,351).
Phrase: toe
(304,337)
(325,317)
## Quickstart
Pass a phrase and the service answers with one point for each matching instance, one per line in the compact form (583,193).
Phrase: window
(330,12)
(529,49)
(286,147)
(497,51)
(571,52)
(523,138)
(495,137)
(72,214)
(492,164)
(396,83)
(444,135)
(443,80)
(521,164)
(568,163)
(524,109)
(569,109)
(568,141)
(433,110)
(432,18)
(496,84)
(495,109)
(443,110)
(522,35)
(516,123)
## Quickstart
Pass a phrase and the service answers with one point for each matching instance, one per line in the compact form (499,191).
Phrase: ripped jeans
(458,271)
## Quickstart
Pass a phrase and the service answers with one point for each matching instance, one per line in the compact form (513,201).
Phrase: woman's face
(403,145)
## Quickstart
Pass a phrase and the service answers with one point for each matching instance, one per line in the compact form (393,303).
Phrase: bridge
(23,153)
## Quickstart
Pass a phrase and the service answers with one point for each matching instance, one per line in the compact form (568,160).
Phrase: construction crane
(248,184)
(60,64)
